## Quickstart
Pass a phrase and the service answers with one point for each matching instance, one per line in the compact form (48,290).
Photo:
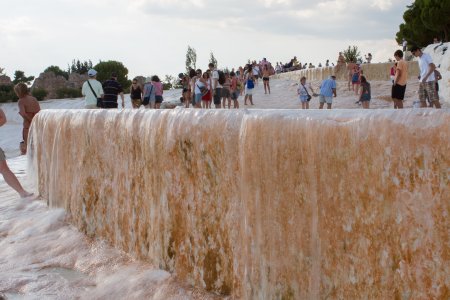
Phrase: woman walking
(135,94)
(158,91)
(302,92)
(365,95)
(249,85)
(266,78)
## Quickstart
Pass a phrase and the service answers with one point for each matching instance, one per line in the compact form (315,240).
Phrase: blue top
(326,89)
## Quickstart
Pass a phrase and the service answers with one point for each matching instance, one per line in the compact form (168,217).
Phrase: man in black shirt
(112,88)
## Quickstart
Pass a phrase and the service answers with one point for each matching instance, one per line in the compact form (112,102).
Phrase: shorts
(218,96)
(428,88)
(2,155)
(365,97)
(110,105)
(198,98)
(159,99)
(235,94)
(248,91)
(266,78)
(398,91)
(303,99)
(323,99)
(226,93)
(136,102)
(90,106)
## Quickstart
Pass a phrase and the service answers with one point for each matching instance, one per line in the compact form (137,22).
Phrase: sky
(151,36)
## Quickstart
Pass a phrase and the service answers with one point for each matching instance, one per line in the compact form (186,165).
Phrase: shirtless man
(8,175)
(28,108)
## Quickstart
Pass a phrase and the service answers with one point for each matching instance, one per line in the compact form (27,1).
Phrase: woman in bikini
(266,79)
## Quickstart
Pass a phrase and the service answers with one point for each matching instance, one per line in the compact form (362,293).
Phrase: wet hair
(155,78)
(192,73)
(363,79)
(398,53)
(21,89)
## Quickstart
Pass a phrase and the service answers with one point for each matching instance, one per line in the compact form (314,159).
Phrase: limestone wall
(260,204)
(379,71)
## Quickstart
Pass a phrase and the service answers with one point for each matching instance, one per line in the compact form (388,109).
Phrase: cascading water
(273,204)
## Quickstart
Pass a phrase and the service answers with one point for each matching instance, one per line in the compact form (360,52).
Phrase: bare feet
(26,194)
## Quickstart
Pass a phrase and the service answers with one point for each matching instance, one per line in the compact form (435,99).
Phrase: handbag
(146,100)
(99,100)
(309,96)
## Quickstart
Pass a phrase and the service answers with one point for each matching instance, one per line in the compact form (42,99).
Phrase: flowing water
(273,204)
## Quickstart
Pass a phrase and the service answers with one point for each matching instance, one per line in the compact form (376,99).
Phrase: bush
(68,93)
(39,94)
(7,93)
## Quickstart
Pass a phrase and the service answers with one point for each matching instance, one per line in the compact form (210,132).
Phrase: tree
(191,59)
(19,76)
(57,71)
(106,68)
(1,71)
(352,54)
(80,67)
(425,20)
(212,59)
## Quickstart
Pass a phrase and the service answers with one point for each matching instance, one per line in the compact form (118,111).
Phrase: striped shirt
(111,88)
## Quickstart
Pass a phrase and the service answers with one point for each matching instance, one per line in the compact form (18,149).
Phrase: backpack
(221,77)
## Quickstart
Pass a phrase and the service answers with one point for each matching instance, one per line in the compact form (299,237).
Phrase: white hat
(92,73)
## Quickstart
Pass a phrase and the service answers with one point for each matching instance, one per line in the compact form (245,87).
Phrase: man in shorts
(8,175)
(217,87)
(400,80)
(427,86)
(327,91)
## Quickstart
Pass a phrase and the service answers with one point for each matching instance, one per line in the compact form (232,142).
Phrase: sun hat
(92,73)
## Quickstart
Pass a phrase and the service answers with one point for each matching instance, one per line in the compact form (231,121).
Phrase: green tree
(191,59)
(19,76)
(106,68)
(352,54)
(80,67)
(57,71)
(168,82)
(212,59)
(425,20)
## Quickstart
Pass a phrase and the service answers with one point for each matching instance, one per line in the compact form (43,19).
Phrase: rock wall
(261,204)
(379,71)
(5,80)
(51,83)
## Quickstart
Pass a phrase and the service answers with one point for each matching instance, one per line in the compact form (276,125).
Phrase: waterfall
(260,204)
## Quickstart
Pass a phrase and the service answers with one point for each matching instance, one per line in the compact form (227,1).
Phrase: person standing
(235,89)
(200,88)
(92,90)
(6,172)
(365,96)
(149,94)
(266,79)
(135,94)
(217,87)
(249,85)
(302,92)
(400,80)
(112,88)
(356,78)
(327,91)
(427,84)
(159,90)
(28,108)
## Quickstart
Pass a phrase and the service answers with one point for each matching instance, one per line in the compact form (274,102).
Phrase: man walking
(327,91)
(400,80)
(92,90)
(427,86)
(112,89)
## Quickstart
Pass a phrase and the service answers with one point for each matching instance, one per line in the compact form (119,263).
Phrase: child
(28,108)
(365,95)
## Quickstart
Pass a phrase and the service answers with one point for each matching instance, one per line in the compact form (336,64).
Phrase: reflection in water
(260,204)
